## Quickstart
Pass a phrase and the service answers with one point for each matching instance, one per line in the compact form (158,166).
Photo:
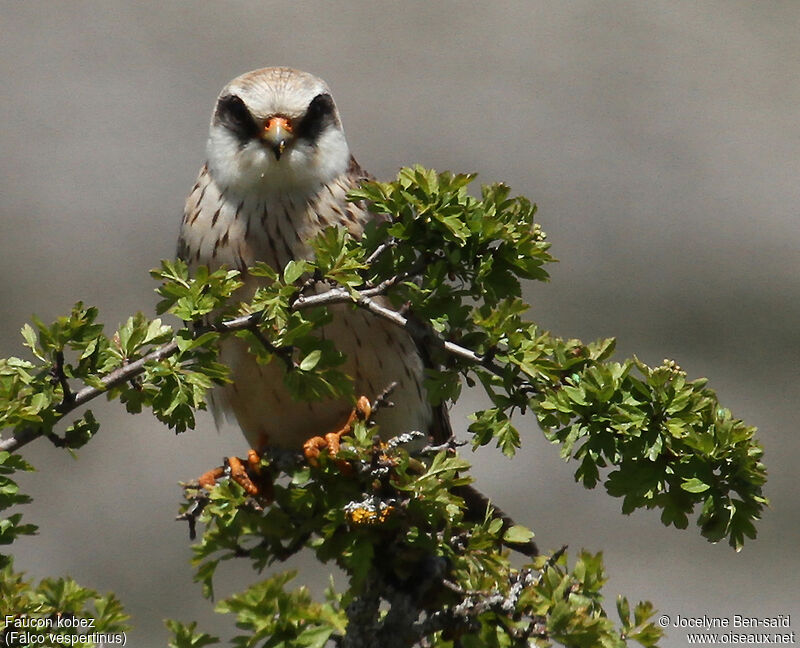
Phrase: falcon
(277,172)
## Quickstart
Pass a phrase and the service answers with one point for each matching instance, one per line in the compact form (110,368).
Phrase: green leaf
(624,611)
(518,534)
(695,485)
(294,270)
(311,360)
(31,340)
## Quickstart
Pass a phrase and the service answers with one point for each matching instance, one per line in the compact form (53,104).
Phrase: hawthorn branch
(422,336)
(25,435)
(408,623)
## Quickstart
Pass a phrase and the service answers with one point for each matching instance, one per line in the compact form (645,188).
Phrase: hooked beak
(277,132)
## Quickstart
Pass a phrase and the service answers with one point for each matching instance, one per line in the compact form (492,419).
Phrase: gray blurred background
(659,139)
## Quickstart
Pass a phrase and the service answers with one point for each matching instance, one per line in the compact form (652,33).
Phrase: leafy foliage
(11,527)
(393,522)
(452,265)
(185,636)
(670,443)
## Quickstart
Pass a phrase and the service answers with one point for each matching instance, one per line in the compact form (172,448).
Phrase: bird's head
(276,130)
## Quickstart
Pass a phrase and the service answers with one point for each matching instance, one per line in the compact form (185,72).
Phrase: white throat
(252,167)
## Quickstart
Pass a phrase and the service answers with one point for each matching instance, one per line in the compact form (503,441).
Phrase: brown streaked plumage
(277,172)
(252,204)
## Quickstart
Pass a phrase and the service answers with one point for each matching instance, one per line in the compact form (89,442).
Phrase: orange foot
(245,472)
(332,440)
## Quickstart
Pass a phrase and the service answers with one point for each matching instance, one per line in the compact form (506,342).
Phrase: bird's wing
(441,430)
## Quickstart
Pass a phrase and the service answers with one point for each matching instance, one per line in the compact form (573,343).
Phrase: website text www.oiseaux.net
(733,630)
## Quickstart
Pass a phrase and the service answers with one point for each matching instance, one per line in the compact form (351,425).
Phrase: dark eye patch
(319,114)
(234,115)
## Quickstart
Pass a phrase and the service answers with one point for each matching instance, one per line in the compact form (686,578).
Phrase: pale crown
(246,155)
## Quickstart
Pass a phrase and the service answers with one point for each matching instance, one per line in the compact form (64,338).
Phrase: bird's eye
(319,114)
(234,115)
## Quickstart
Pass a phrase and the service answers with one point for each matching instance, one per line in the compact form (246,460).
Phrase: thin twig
(382,399)
(284,353)
(118,376)
(380,250)
(58,370)
(414,271)
(450,444)
(362,299)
